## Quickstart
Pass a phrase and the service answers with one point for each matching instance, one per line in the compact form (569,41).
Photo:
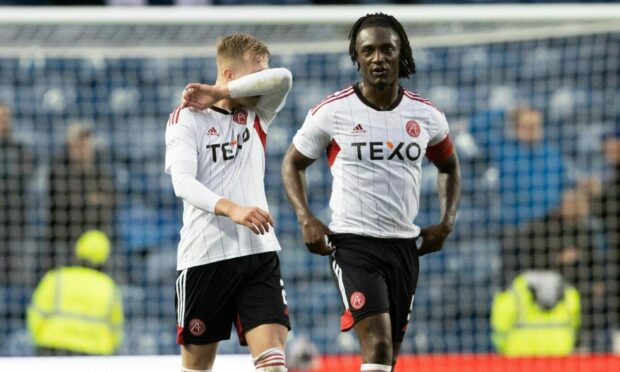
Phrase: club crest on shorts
(240,116)
(197,327)
(357,300)
(413,128)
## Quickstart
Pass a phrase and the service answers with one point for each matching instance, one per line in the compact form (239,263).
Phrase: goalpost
(122,70)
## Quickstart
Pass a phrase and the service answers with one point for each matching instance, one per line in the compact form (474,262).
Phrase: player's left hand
(201,96)
(315,235)
(433,237)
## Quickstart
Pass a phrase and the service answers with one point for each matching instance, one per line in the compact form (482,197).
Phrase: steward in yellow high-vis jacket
(78,309)
(538,315)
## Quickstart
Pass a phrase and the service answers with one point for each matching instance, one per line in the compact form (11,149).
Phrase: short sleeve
(438,127)
(313,136)
(181,137)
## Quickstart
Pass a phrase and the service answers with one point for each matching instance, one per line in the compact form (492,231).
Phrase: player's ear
(229,74)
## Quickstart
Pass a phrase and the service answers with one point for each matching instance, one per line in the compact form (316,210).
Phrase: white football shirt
(375,158)
(229,149)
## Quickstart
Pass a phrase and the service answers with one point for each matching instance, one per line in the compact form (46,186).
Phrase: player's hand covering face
(378,54)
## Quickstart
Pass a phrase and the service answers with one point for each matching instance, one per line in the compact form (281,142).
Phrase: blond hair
(233,48)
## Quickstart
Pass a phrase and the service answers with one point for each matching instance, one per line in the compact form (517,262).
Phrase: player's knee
(381,350)
(271,360)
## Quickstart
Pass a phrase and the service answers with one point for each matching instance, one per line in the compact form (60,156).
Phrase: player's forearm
(449,190)
(266,82)
(295,186)
(224,207)
(187,187)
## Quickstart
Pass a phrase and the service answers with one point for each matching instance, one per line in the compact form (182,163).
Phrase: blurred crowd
(551,219)
(548,219)
(81,148)
(81,196)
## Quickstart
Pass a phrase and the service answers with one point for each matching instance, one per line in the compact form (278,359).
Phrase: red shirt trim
(174,116)
(334,97)
(261,133)
(419,98)
(332,152)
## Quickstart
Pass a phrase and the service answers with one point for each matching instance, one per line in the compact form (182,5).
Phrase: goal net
(532,95)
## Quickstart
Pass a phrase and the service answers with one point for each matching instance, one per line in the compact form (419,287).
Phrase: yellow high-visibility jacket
(522,328)
(77,309)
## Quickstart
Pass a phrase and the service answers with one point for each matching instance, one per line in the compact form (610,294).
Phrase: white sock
(376,368)
(271,360)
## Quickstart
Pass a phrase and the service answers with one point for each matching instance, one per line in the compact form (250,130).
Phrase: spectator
(607,206)
(81,192)
(538,315)
(15,171)
(531,171)
(78,310)
(563,241)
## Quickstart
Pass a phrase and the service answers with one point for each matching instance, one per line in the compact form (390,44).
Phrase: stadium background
(572,79)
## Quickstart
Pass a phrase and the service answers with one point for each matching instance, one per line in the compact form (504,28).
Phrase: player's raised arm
(446,160)
(264,90)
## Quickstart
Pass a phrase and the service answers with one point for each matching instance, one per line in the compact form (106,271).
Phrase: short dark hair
(407,64)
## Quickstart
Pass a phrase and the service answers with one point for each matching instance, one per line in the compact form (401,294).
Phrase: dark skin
(378,54)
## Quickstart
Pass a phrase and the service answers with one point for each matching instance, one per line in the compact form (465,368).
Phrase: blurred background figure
(539,315)
(302,355)
(15,172)
(563,241)
(77,309)
(531,171)
(606,205)
(81,193)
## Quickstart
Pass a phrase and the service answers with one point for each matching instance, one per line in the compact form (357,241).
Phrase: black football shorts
(375,275)
(245,291)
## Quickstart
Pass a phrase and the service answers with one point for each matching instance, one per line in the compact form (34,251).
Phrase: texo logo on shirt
(378,150)
(226,148)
